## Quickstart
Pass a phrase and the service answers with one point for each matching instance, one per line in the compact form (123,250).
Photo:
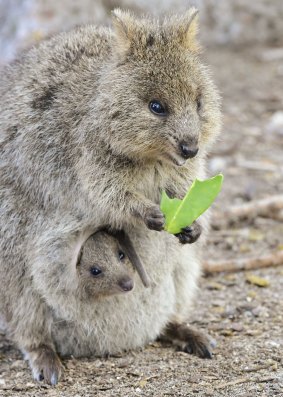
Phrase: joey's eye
(121,255)
(199,104)
(95,271)
(157,108)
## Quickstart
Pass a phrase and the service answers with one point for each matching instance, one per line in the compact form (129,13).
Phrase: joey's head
(103,269)
(161,102)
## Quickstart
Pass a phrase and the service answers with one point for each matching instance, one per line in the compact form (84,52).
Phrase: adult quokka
(94,123)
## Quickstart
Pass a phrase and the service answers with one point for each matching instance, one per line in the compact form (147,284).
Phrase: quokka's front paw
(154,219)
(189,234)
(45,364)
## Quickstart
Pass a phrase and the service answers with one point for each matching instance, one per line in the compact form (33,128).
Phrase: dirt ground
(245,320)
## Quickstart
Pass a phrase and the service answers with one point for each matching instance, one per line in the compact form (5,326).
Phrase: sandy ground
(244,319)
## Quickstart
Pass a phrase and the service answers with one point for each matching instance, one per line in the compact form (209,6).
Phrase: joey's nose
(126,284)
(188,151)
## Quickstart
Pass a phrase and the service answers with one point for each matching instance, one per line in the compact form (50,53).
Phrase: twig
(244,380)
(233,383)
(268,207)
(258,368)
(236,265)
(266,379)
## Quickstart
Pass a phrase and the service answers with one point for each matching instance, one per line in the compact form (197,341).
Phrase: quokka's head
(103,269)
(159,99)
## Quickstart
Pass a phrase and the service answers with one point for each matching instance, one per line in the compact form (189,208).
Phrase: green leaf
(182,213)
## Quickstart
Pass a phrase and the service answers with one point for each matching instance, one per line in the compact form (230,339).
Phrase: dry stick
(244,380)
(233,383)
(266,379)
(236,265)
(268,207)
(258,367)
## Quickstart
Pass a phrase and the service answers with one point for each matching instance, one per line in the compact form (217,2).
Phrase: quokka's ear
(127,246)
(123,23)
(188,30)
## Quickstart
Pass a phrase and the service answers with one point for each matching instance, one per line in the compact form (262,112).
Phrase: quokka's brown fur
(80,149)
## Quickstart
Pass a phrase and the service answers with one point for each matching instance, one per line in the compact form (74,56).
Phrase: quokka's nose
(126,284)
(188,151)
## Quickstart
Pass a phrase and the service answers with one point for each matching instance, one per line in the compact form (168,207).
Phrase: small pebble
(252,294)
(275,124)
(259,281)
(272,343)
(226,332)
(257,311)
(213,285)
(237,327)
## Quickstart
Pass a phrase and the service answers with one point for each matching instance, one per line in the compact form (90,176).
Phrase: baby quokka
(103,269)
(105,266)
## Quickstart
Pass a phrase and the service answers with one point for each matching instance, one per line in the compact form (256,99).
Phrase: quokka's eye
(121,255)
(95,271)
(157,108)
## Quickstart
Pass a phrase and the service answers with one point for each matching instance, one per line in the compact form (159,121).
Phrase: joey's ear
(189,29)
(123,23)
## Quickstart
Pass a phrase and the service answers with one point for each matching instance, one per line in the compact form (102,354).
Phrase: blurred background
(243,44)
(226,22)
